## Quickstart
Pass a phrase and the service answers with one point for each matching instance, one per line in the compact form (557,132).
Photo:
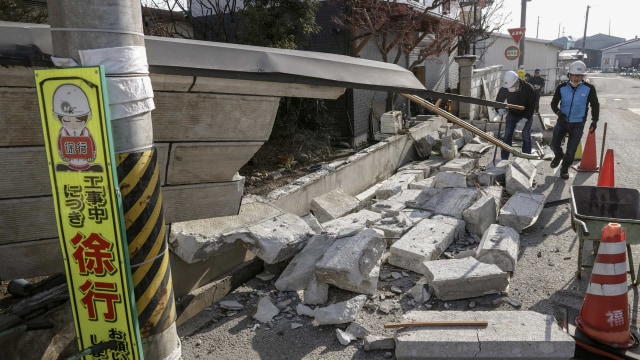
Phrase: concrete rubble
(444,220)
(441,221)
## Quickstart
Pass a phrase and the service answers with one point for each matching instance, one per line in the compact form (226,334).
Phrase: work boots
(564,173)
(556,161)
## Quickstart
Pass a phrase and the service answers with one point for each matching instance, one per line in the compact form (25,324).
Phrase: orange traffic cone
(604,316)
(606,176)
(589,161)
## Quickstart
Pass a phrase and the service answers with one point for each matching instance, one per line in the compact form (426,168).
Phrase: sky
(550,19)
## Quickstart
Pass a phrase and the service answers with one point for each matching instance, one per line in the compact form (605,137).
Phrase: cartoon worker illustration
(75,143)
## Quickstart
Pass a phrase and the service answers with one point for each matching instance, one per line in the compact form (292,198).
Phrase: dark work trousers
(562,128)
(537,109)
(510,127)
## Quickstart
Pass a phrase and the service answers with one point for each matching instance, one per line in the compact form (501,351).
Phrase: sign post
(88,207)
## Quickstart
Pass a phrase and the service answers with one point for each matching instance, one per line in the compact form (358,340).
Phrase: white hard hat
(577,68)
(70,100)
(510,78)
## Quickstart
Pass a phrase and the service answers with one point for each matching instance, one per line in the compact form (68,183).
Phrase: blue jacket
(574,102)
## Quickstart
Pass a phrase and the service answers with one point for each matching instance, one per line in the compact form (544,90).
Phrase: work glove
(593,126)
(501,112)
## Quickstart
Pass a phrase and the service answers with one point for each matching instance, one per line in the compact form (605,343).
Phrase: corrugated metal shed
(622,55)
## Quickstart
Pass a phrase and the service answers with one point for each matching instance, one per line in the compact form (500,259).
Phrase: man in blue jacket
(574,98)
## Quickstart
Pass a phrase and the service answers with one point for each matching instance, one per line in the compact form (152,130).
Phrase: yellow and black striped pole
(138,175)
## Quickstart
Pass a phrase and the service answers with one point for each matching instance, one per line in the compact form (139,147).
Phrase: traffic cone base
(606,176)
(589,161)
(604,316)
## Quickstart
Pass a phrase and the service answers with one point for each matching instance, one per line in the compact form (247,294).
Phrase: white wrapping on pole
(128,95)
(117,60)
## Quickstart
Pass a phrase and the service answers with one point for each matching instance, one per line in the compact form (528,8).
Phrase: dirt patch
(275,165)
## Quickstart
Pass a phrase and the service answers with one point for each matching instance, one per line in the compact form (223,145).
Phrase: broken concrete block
(455,279)
(448,147)
(301,268)
(197,240)
(366,197)
(418,173)
(266,310)
(418,165)
(519,176)
(344,338)
(313,223)
(274,240)
(353,263)
(357,330)
(425,241)
(363,217)
(419,185)
(316,293)
(416,215)
(458,225)
(494,174)
(340,313)
(521,210)
(332,205)
(395,226)
(394,185)
(231,305)
(499,246)
(378,342)
(449,179)
(508,335)
(462,165)
(480,215)
(448,201)
(304,310)
(420,292)
(388,206)
(405,196)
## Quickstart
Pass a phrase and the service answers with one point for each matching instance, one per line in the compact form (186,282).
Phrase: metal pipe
(424,103)
(604,138)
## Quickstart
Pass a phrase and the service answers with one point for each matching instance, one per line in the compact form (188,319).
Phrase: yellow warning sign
(88,209)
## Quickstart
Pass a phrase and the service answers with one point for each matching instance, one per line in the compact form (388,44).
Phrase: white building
(539,54)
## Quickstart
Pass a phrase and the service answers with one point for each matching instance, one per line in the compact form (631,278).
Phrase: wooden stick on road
(435,323)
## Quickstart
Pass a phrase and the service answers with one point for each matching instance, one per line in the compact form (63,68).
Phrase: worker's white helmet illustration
(70,100)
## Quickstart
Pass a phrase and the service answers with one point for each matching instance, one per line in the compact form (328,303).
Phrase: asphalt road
(544,281)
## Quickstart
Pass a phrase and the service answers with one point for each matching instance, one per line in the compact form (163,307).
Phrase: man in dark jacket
(517,92)
(537,82)
(571,101)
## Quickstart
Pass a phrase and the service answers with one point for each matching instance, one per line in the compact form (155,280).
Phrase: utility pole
(115,28)
(475,22)
(523,24)
(537,27)
(584,36)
